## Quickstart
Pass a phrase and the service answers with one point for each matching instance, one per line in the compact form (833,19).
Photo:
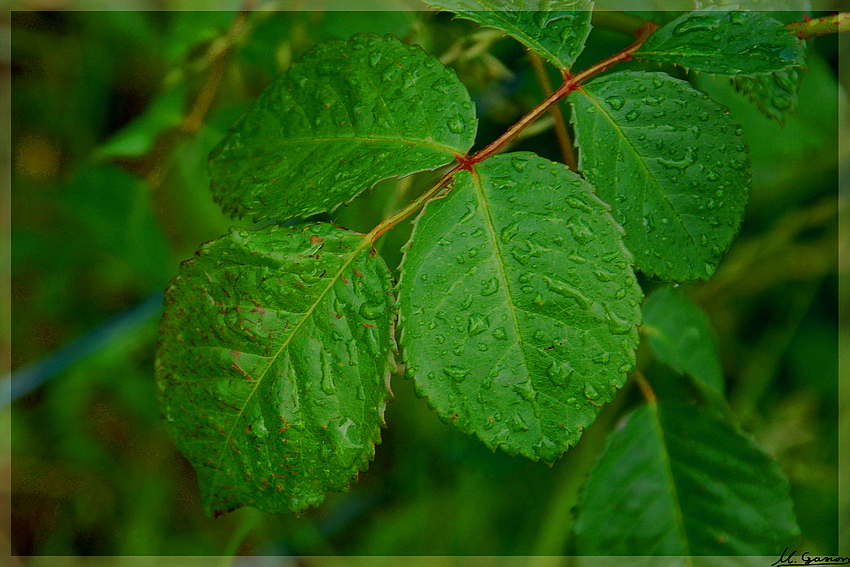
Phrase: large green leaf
(273,362)
(680,336)
(677,480)
(518,305)
(763,57)
(348,115)
(555,30)
(725,42)
(672,164)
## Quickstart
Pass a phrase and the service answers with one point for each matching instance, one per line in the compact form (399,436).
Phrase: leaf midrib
(668,469)
(491,232)
(348,139)
(258,380)
(595,101)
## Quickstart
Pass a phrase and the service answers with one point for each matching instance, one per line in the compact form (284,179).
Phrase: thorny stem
(217,56)
(837,23)
(571,83)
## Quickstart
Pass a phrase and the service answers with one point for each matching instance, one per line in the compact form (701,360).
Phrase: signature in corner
(805,558)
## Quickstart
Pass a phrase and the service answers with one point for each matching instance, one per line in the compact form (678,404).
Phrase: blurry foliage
(113,116)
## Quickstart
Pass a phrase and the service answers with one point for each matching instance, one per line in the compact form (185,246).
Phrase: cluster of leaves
(517,301)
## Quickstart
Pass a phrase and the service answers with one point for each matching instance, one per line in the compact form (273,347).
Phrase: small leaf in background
(764,58)
(518,305)
(554,30)
(273,364)
(347,115)
(680,336)
(114,209)
(165,112)
(671,163)
(677,480)
(725,42)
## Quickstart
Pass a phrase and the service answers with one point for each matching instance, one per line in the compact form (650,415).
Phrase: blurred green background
(112,117)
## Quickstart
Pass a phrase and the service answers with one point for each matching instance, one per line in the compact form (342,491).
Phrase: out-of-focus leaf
(680,335)
(677,480)
(136,139)
(672,164)
(518,305)
(114,208)
(346,116)
(273,364)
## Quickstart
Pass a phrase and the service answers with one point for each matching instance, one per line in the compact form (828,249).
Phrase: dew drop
(518,163)
(466,303)
(632,115)
(615,102)
(477,325)
(562,288)
(327,375)
(616,324)
(509,232)
(519,424)
(581,234)
(735,164)
(525,391)
(455,125)
(455,373)
(491,286)
(602,358)
(500,334)
(781,101)
(371,311)
(590,391)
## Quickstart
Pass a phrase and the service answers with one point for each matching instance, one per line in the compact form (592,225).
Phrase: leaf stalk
(836,23)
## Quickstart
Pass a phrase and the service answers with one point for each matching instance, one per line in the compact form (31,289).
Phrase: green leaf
(677,480)
(164,113)
(775,94)
(763,57)
(681,336)
(554,30)
(672,164)
(273,364)
(518,305)
(725,42)
(348,115)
